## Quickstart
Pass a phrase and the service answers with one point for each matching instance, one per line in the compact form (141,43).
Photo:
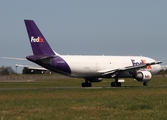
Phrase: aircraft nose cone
(157,68)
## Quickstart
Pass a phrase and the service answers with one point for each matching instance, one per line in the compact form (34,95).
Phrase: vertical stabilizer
(38,43)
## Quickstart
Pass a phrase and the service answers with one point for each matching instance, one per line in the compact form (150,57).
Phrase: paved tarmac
(31,78)
(77,87)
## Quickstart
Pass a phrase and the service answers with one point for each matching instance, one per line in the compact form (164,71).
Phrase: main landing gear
(86,84)
(116,83)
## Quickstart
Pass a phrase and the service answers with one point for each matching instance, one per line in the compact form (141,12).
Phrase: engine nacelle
(95,79)
(143,76)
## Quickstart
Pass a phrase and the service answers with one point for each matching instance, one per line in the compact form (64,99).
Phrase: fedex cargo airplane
(91,68)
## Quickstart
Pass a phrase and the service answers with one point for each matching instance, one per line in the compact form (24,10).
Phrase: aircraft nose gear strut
(145,83)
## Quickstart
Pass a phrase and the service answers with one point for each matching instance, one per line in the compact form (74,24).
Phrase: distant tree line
(162,72)
(6,70)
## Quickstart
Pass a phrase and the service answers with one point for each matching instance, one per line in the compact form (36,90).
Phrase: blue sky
(93,27)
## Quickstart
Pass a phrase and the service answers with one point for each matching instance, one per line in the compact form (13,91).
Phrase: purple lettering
(135,63)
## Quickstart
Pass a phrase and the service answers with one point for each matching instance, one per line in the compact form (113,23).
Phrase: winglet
(38,43)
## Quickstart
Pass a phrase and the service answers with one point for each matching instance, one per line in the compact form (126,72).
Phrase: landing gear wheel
(83,84)
(118,84)
(145,83)
(89,85)
(86,84)
(113,84)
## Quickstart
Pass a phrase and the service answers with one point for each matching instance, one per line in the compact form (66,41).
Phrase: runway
(50,88)
(77,87)
(34,82)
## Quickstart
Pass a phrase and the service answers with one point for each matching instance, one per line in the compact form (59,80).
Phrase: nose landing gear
(145,83)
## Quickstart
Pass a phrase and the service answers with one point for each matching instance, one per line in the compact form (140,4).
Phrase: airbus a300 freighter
(91,68)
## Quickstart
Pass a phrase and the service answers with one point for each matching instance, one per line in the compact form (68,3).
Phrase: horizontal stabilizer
(31,67)
(14,58)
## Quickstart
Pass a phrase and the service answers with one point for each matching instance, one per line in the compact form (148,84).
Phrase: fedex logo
(38,39)
(134,63)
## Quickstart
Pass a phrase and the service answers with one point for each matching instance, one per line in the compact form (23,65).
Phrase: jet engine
(143,76)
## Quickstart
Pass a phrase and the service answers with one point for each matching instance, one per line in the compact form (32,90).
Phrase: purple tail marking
(43,54)
(38,43)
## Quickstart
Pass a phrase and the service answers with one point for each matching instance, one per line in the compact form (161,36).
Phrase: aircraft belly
(124,75)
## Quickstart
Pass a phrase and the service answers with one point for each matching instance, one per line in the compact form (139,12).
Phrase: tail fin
(38,43)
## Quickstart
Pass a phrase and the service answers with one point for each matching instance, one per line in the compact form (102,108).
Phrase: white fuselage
(87,66)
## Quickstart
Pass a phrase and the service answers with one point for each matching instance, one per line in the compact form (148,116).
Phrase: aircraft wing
(128,68)
(28,66)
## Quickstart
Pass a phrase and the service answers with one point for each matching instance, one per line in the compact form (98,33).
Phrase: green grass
(47,102)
